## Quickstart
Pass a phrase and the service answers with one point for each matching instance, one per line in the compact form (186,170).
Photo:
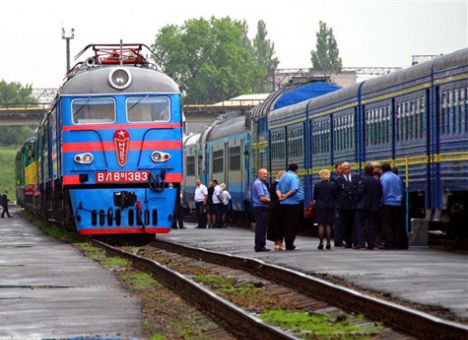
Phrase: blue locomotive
(107,157)
(416,119)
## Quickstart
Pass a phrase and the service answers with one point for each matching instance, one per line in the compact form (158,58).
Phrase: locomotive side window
(148,109)
(234,158)
(93,110)
(218,161)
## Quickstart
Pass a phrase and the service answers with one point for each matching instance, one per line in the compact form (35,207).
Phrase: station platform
(434,279)
(50,290)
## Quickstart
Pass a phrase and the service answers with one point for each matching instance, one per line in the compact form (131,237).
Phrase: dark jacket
(325,195)
(346,192)
(3,200)
(274,199)
(369,194)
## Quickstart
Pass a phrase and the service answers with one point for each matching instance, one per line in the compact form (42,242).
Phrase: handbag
(309,212)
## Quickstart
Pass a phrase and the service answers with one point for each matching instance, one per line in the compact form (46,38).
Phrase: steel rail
(238,321)
(405,319)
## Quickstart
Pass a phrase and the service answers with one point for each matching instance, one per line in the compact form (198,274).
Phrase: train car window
(190,164)
(93,110)
(456,112)
(234,158)
(148,109)
(462,111)
(448,118)
(218,161)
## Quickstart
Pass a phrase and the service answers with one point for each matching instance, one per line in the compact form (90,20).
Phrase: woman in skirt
(324,201)
(275,230)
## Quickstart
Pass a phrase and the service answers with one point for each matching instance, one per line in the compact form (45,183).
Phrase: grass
(7,171)
(320,325)
(227,285)
(139,280)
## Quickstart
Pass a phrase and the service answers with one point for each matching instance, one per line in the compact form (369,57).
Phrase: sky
(369,33)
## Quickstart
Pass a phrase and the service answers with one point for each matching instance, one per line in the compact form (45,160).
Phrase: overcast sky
(369,33)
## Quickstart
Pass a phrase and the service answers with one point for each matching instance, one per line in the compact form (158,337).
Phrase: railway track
(401,318)
(238,321)
(242,318)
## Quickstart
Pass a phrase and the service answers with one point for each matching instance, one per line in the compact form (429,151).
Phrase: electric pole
(67,39)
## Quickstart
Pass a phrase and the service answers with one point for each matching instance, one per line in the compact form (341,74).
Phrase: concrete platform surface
(48,289)
(423,276)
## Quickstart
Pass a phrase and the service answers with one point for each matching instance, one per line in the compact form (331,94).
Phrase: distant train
(416,119)
(107,157)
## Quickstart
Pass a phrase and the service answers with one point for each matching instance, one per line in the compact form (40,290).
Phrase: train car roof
(337,97)
(396,78)
(228,127)
(448,61)
(192,139)
(288,111)
(96,81)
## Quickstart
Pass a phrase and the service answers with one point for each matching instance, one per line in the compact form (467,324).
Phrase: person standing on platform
(324,200)
(260,201)
(209,205)
(275,230)
(337,229)
(291,196)
(392,193)
(218,204)
(4,203)
(200,198)
(226,201)
(346,185)
(369,194)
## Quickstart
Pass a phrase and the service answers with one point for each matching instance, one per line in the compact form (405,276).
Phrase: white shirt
(200,193)
(226,197)
(217,195)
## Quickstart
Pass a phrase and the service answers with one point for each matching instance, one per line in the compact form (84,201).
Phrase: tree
(14,95)
(211,60)
(326,56)
(264,54)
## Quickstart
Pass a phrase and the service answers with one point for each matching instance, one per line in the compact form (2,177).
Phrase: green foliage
(211,60)
(226,284)
(14,94)
(14,135)
(264,54)
(326,56)
(139,280)
(319,325)
(7,171)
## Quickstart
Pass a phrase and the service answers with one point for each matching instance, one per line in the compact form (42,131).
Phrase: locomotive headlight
(84,158)
(159,157)
(120,78)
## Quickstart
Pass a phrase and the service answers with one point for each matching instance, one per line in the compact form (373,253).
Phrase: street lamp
(67,39)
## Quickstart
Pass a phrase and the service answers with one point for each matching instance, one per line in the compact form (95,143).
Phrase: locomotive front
(121,146)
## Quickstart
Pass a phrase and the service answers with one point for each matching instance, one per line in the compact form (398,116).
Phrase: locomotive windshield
(148,109)
(93,110)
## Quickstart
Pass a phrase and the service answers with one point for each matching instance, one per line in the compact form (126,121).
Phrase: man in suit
(369,194)
(4,203)
(346,187)
(337,230)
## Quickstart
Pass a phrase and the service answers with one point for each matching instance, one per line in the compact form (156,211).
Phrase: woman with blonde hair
(324,200)
(275,230)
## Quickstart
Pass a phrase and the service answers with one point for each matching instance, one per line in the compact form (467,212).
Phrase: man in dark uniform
(4,203)
(346,187)
(337,230)
(369,195)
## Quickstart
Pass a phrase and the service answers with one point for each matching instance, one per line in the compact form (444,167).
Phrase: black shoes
(328,246)
(262,250)
(320,246)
